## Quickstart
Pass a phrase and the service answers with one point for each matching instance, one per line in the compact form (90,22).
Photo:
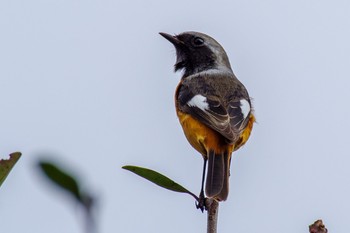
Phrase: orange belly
(243,138)
(203,138)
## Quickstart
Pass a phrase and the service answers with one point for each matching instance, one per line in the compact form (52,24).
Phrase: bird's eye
(197,41)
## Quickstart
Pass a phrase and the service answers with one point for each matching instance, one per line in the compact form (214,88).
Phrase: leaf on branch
(61,178)
(158,179)
(67,182)
(7,164)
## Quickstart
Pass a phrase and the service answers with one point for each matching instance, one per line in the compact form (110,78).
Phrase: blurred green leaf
(61,178)
(7,164)
(158,179)
(66,181)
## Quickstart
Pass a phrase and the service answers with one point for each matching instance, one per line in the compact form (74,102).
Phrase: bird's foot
(201,202)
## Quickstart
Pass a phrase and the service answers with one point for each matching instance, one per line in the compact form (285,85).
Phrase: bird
(213,107)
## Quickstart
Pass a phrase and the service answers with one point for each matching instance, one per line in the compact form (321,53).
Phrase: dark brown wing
(226,114)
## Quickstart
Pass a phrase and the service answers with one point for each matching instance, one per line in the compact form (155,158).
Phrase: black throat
(192,62)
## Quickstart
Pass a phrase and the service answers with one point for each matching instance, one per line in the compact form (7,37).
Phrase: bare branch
(213,209)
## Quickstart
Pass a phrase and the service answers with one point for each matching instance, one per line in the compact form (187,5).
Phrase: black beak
(180,46)
(173,39)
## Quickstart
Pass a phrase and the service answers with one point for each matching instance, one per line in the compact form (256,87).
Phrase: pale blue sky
(91,83)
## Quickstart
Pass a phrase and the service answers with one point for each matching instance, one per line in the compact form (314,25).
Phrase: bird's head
(196,52)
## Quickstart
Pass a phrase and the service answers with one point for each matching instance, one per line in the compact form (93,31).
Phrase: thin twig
(213,209)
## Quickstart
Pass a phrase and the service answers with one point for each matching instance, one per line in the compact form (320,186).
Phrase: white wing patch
(199,101)
(245,107)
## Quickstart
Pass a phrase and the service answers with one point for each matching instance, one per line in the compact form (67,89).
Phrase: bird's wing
(227,119)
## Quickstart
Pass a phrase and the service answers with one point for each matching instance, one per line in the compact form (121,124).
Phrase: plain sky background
(90,84)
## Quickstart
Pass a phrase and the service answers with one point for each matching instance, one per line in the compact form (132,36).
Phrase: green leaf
(67,182)
(158,179)
(7,164)
(62,179)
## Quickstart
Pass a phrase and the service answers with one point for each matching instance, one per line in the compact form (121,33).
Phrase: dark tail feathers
(217,176)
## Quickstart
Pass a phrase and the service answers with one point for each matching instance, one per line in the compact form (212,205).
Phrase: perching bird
(212,105)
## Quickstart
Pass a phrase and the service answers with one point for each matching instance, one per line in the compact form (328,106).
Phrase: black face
(192,53)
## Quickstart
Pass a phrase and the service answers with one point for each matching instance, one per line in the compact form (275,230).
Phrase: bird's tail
(218,175)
